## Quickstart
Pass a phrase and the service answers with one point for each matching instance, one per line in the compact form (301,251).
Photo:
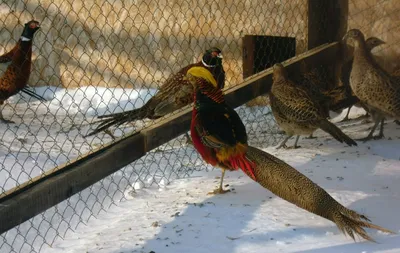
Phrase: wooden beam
(23,203)
(327,22)
(248,55)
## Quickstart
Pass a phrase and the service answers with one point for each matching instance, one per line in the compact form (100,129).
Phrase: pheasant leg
(283,143)
(220,189)
(371,133)
(380,135)
(346,118)
(188,139)
(295,144)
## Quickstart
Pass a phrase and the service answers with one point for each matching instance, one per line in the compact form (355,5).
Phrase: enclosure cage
(97,57)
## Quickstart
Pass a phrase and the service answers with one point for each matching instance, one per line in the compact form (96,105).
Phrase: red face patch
(214,54)
(33,25)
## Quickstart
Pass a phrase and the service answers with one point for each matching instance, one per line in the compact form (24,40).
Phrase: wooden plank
(25,202)
(327,22)
(248,55)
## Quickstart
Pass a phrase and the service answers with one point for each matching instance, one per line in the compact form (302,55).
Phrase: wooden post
(248,56)
(327,22)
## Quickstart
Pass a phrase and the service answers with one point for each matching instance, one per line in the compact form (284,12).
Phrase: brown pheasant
(174,94)
(331,100)
(375,88)
(371,43)
(17,74)
(220,137)
(336,99)
(296,112)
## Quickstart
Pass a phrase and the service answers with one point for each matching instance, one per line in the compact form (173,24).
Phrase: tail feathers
(117,119)
(336,133)
(351,223)
(289,184)
(242,162)
(33,94)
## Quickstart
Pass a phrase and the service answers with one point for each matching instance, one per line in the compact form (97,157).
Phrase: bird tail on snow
(336,133)
(292,186)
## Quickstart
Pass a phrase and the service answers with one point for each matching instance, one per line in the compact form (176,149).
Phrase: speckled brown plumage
(289,184)
(372,84)
(175,93)
(371,43)
(296,112)
(336,99)
(16,76)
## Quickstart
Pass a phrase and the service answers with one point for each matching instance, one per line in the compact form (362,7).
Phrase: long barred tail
(117,119)
(351,223)
(289,184)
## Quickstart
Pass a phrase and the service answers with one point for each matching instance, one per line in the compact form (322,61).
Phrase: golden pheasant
(297,112)
(16,76)
(174,94)
(220,137)
(375,88)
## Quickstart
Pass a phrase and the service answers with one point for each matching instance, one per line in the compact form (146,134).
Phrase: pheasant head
(29,29)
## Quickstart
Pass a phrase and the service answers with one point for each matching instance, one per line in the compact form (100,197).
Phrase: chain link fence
(379,19)
(97,57)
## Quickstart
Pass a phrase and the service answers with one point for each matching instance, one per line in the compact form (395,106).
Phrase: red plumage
(217,132)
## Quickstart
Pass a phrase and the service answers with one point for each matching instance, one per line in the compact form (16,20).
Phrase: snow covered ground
(178,215)
(51,133)
(159,205)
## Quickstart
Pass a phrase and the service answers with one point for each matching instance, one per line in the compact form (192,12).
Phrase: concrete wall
(131,43)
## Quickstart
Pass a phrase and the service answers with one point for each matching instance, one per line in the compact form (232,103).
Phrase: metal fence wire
(97,57)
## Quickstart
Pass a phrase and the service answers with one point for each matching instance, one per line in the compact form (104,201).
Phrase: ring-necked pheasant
(16,76)
(371,43)
(375,88)
(174,94)
(296,112)
(220,137)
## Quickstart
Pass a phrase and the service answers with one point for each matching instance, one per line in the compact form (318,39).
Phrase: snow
(50,133)
(183,218)
(160,202)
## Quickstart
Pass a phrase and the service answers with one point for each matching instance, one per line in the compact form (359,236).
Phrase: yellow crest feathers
(202,73)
